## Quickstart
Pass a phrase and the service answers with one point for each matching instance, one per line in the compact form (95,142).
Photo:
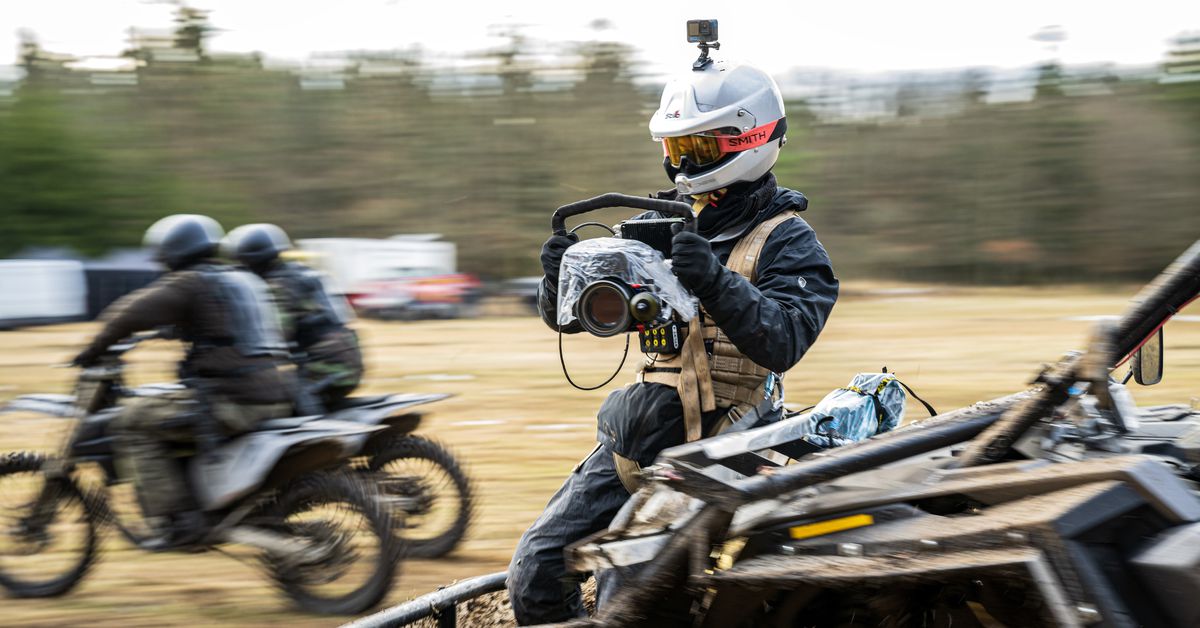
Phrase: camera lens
(604,308)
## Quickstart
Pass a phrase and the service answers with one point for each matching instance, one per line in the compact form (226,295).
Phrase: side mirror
(1148,361)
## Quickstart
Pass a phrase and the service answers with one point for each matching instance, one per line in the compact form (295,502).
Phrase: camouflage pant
(146,429)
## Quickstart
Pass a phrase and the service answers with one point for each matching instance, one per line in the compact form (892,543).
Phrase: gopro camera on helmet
(623,283)
(702,31)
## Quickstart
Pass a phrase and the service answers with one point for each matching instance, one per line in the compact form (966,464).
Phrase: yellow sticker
(830,526)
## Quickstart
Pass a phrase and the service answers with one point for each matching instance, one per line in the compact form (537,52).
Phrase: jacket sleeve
(164,302)
(775,320)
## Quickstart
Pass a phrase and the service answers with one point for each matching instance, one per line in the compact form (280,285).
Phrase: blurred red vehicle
(404,277)
(415,297)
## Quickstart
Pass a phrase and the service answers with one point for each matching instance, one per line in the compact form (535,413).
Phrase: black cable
(593,224)
(563,361)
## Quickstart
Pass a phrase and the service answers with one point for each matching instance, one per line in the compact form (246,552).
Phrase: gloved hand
(87,357)
(552,253)
(692,260)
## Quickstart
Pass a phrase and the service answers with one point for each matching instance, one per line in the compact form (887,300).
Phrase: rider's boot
(179,530)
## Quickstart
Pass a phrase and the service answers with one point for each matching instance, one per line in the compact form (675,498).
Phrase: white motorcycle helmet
(719,125)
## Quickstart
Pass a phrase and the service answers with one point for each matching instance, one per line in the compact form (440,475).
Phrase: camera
(622,284)
(702,31)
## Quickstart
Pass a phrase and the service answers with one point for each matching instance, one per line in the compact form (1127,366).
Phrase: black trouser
(538,584)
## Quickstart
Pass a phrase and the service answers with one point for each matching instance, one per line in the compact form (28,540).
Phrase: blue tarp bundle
(872,403)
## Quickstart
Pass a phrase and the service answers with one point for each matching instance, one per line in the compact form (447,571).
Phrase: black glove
(692,260)
(87,357)
(552,252)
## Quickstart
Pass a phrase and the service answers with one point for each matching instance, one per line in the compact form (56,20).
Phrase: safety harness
(726,377)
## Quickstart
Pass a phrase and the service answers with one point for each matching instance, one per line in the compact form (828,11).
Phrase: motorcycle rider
(234,351)
(314,322)
(765,285)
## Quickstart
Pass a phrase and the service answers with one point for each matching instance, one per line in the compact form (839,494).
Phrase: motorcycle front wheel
(48,529)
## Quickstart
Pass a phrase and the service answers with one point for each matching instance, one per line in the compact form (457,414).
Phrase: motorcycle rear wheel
(28,547)
(345,517)
(426,476)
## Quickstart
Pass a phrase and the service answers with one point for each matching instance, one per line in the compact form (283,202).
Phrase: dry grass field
(520,427)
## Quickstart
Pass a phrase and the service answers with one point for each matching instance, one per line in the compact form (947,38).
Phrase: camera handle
(613,199)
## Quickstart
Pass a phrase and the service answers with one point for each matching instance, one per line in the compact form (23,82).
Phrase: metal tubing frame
(442,604)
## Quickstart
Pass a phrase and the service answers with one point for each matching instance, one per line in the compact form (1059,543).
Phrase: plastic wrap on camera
(629,261)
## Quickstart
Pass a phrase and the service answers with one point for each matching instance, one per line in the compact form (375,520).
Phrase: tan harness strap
(700,361)
(732,379)
(743,260)
(695,382)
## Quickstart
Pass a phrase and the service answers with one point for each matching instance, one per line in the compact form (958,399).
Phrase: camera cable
(563,361)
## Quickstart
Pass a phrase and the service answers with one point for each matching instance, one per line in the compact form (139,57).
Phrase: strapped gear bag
(872,403)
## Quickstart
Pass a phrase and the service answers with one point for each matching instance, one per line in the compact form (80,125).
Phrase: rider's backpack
(872,403)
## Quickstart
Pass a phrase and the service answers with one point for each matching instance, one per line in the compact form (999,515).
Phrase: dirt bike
(427,489)
(324,533)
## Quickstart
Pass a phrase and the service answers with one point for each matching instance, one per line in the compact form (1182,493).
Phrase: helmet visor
(705,148)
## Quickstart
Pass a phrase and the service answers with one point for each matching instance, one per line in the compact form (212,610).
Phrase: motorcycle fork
(56,471)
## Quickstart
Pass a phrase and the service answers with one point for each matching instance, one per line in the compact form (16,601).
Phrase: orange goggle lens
(701,150)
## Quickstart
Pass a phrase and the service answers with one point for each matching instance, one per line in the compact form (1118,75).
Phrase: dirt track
(520,427)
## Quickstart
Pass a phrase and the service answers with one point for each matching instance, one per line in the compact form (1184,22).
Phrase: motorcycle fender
(239,467)
(387,408)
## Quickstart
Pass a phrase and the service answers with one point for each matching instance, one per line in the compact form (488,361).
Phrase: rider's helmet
(182,239)
(255,245)
(719,125)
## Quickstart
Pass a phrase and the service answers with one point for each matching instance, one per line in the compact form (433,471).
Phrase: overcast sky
(777,34)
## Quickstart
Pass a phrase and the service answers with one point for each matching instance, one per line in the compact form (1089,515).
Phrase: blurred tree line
(1060,187)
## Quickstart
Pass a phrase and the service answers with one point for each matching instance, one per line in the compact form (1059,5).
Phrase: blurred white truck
(37,292)
(401,277)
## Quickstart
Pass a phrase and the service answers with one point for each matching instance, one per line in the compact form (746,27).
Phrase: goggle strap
(758,136)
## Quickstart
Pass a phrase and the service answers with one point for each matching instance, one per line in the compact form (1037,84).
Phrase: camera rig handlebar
(613,199)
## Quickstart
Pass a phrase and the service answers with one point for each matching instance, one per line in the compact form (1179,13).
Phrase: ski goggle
(705,148)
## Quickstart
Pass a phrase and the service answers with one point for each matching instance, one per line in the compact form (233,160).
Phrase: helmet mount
(704,33)
(704,60)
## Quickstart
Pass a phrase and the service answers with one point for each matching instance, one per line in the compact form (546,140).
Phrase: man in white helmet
(721,127)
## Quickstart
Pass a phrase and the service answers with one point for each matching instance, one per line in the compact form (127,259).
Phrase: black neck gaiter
(741,203)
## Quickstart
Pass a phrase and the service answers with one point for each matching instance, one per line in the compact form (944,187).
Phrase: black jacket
(773,321)
(184,299)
